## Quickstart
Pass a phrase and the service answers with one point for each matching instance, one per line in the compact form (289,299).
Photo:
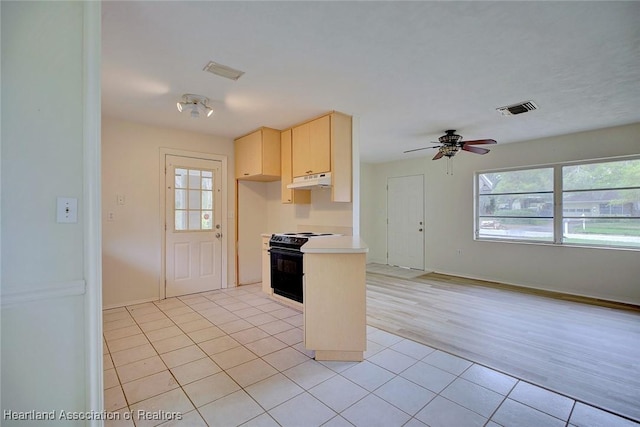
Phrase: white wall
(131,248)
(43,344)
(601,273)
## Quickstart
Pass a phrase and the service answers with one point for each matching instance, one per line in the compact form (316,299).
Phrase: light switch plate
(67,210)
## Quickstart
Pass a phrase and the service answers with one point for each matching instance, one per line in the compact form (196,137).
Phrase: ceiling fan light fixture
(450,137)
(449,150)
(195,103)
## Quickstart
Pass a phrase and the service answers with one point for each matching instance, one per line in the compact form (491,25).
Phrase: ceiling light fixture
(195,104)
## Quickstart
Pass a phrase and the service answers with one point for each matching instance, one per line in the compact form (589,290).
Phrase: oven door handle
(283,251)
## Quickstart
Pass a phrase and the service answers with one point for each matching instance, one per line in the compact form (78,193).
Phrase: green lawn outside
(611,228)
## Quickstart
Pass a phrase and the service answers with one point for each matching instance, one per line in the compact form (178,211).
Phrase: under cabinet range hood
(311,181)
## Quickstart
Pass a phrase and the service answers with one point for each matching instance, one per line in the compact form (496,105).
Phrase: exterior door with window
(193,228)
(405,221)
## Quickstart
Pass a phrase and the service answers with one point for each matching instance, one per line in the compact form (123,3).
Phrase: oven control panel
(287,241)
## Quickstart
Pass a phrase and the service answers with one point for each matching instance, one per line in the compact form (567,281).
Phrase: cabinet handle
(308,171)
(246,174)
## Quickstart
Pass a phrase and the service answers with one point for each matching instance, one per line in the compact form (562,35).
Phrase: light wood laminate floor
(587,352)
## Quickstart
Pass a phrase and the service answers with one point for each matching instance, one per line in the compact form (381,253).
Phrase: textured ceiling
(407,70)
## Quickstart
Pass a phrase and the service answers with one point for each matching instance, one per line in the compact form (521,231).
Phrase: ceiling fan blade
(476,150)
(480,141)
(437,156)
(423,148)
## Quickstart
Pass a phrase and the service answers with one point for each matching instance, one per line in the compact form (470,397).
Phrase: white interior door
(405,221)
(193,229)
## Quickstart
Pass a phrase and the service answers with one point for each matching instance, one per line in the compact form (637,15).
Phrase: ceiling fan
(451,143)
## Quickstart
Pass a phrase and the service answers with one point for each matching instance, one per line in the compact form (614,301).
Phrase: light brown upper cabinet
(311,147)
(341,157)
(257,155)
(324,145)
(288,195)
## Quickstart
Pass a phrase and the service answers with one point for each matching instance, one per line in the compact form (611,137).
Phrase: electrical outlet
(111,216)
(67,210)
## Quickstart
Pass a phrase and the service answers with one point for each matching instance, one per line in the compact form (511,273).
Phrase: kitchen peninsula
(335,297)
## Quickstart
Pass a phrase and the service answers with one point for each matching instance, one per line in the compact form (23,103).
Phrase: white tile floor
(234,357)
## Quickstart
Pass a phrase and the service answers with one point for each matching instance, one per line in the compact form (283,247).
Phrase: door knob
(218,235)
(419,229)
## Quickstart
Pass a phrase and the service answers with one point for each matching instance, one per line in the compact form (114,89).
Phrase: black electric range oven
(287,261)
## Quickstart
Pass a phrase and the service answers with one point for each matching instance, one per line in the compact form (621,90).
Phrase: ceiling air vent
(522,107)
(223,70)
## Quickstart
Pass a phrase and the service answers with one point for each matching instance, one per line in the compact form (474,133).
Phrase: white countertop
(335,245)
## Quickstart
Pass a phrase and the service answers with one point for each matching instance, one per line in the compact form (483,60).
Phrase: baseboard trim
(124,304)
(584,299)
(43,292)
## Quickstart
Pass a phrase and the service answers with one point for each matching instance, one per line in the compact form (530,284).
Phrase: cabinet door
(288,195)
(271,152)
(300,150)
(320,145)
(248,153)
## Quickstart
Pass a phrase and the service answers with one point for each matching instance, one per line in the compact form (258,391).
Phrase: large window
(601,203)
(516,205)
(595,204)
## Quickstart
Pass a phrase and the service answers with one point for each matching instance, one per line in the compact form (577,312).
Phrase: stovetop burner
(294,240)
(308,234)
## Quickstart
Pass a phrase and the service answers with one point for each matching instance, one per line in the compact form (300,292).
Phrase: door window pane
(194,201)
(181,199)
(194,220)
(207,220)
(207,200)
(181,220)
(181,178)
(194,178)
(207,183)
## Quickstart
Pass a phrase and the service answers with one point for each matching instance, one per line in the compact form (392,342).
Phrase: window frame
(557,193)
